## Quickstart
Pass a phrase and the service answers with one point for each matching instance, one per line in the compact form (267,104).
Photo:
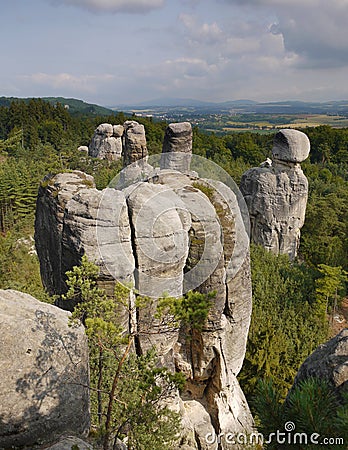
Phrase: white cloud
(114,6)
(68,82)
(201,33)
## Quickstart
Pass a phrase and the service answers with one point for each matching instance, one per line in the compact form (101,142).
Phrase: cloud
(317,35)
(68,82)
(316,30)
(202,33)
(114,6)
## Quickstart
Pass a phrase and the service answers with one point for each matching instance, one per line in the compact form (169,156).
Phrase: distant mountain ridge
(199,107)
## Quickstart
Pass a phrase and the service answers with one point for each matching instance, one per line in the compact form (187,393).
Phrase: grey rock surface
(177,147)
(134,144)
(44,373)
(70,442)
(106,142)
(328,362)
(73,218)
(53,195)
(276,195)
(291,146)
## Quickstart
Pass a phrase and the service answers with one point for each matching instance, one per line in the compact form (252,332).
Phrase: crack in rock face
(276,194)
(162,228)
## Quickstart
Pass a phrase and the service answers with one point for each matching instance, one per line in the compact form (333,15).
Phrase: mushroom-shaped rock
(291,146)
(276,195)
(44,373)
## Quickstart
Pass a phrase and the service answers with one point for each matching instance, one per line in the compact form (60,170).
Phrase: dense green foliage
(311,408)
(287,320)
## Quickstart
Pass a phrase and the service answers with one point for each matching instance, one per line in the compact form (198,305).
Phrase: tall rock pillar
(276,194)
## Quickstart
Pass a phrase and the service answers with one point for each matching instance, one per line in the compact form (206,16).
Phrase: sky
(113,52)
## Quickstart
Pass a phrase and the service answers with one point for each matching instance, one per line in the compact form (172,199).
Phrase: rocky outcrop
(328,362)
(69,443)
(169,233)
(69,212)
(116,142)
(54,194)
(177,147)
(134,142)
(106,142)
(276,194)
(44,373)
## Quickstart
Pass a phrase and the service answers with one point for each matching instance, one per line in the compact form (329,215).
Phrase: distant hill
(169,102)
(183,106)
(242,106)
(75,106)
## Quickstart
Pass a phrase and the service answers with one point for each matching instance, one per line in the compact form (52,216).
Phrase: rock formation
(177,147)
(171,232)
(106,142)
(134,142)
(276,194)
(328,362)
(44,373)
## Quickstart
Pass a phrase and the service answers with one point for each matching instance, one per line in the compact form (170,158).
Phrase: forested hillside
(292,302)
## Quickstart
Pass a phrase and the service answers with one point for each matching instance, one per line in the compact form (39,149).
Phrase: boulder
(54,193)
(118,130)
(105,130)
(328,362)
(276,195)
(291,146)
(44,373)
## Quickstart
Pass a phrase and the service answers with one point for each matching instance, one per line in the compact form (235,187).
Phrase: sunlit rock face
(106,142)
(276,194)
(43,373)
(167,232)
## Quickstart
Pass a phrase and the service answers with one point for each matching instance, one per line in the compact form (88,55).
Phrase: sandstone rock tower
(106,142)
(170,231)
(276,194)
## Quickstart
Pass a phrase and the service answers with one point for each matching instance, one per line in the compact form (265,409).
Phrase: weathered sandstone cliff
(170,232)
